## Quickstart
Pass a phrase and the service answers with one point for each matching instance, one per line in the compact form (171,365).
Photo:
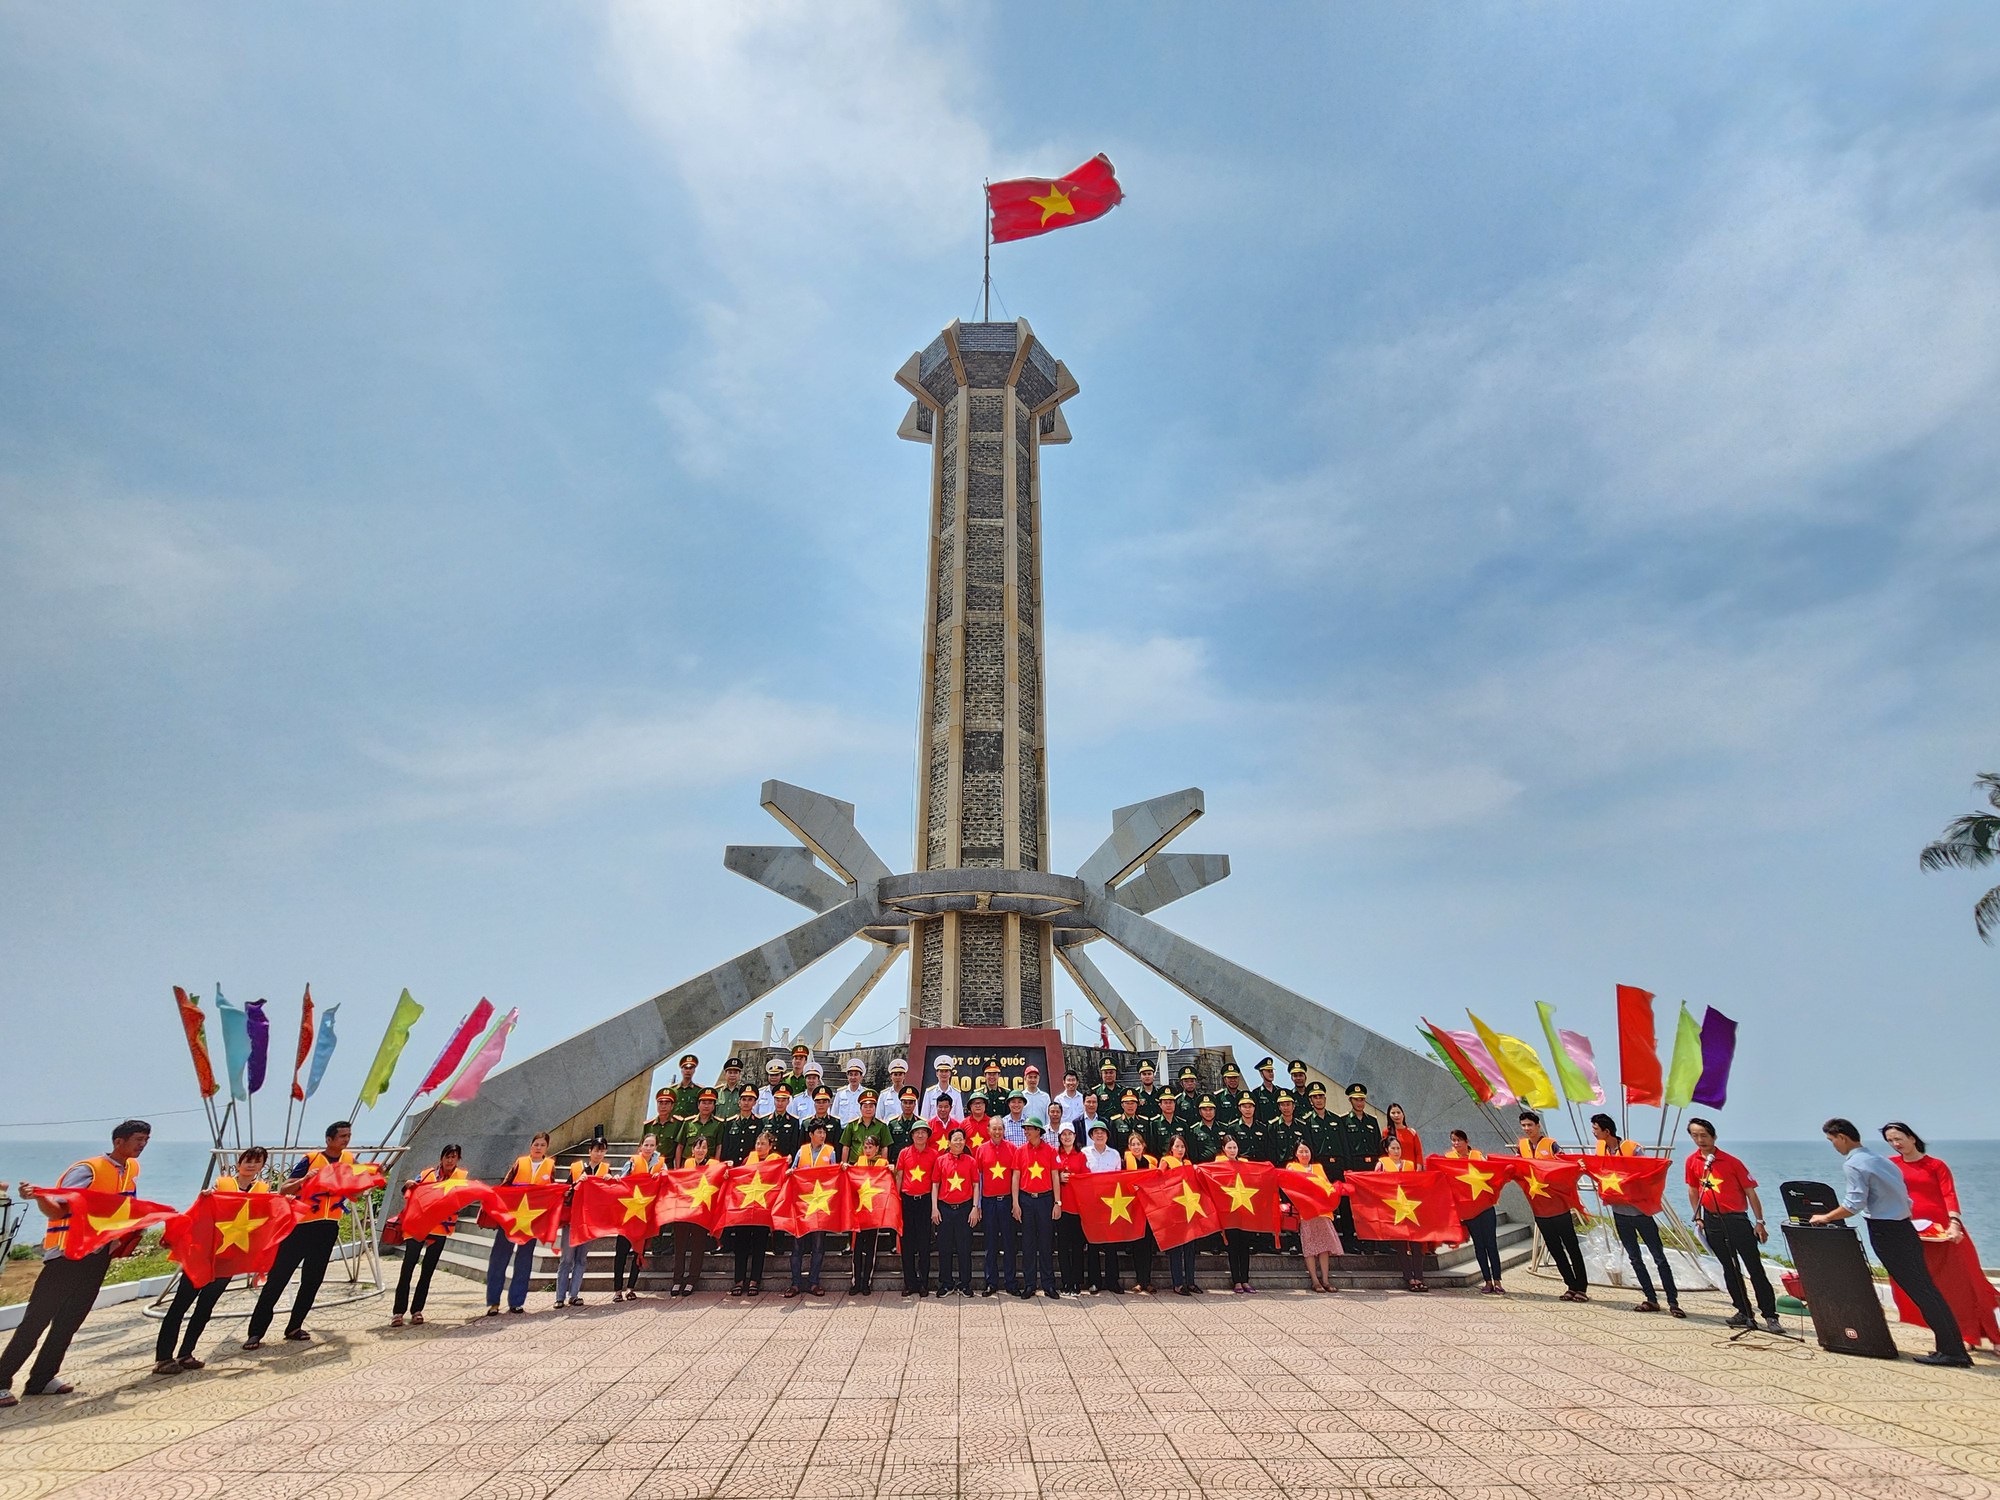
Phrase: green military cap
(1206,1102)
(923,1125)
(1296,1065)
(734,1062)
(1034,1123)
(822,1092)
(1107,1066)
(1017,1094)
(1267,1062)
(1357,1088)
(1187,1073)
(1232,1071)
(1132,1094)
(1147,1067)
(1286,1098)
(866,1095)
(708,1094)
(781,1088)
(800,1049)
(1315,1090)
(1097,1125)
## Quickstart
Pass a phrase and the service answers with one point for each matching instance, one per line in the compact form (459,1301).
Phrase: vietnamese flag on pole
(1028,206)
(1180,1206)
(1246,1194)
(526,1211)
(1107,1205)
(611,1206)
(96,1219)
(813,1199)
(693,1195)
(228,1234)
(751,1193)
(873,1202)
(1551,1184)
(1476,1181)
(1637,1181)
(1419,1207)
(432,1205)
(1638,1048)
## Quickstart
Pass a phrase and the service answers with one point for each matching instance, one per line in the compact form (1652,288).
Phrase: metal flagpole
(986,218)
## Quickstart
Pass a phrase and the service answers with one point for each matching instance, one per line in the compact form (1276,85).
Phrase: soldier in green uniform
(1299,1071)
(1204,1141)
(1149,1092)
(1360,1149)
(1165,1125)
(1321,1129)
(739,1131)
(1282,1135)
(662,1123)
(783,1124)
(903,1128)
(1107,1091)
(687,1093)
(866,1127)
(1245,1131)
(1128,1122)
(1226,1096)
(795,1080)
(730,1085)
(993,1089)
(1267,1091)
(703,1127)
(1188,1096)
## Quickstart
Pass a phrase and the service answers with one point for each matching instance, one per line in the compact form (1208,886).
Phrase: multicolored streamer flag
(473,1074)
(1576,1063)
(470,1028)
(259,1026)
(235,1043)
(1461,1067)
(195,1024)
(1027,206)
(393,1041)
(1518,1065)
(322,1050)
(305,1042)
(1638,1052)
(1468,1042)
(1718,1052)
(1685,1069)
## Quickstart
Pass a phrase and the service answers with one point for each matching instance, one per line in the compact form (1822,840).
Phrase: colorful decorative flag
(751,1193)
(1718,1052)
(1518,1065)
(472,1026)
(1416,1207)
(1469,1044)
(872,1199)
(1309,1197)
(1461,1067)
(1684,1072)
(259,1026)
(196,1026)
(1179,1206)
(693,1195)
(1244,1194)
(1637,1181)
(1476,1181)
(228,1234)
(613,1206)
(1026,206)
(1551,1184)
(526,1211)
(482,1062)
(1576,1064)
(812,1199)
(305,1043)
(1638,1052)
(1107,1205)
(432,1205)
(235,1043)
(322,1050)
(376,1084)
(97,1219)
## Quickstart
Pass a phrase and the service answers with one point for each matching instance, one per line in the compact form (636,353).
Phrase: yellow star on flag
(757,1190)
(1610,1182)
(702,1193)
(237,1231)
(117,1218)
(818,1199)
(1056,201)
(1190,1200)
(1478,1183)
(1035,1171)
(1120,1203)
(954,1182)
(1535,1186)
(866,1190)
(1404,1205)
(1241,1197)
(636,1206)
(524,1217)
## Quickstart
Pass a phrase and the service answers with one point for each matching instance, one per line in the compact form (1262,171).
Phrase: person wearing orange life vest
(1558,1229)
(196,1303)
(573,1255)
(420,1257)
(308,1248)
(1484,1226)
(536,1167)
(65,1289)
(1636,1228)
(626,1261)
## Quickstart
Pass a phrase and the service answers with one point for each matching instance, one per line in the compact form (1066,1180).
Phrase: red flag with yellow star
(431,1205)
(609,1206)
(1180,1205)
(693,1195)
(813,1199)
(228,1234)
(1551,1184)
(1310,1198)
(526,1211)
(1028,206)
(1638,1181)
(1246,1193)
(751,1192)
(1107,1205)
(98,1219)
(873,1202)
(1476,1181)
(1414,1206)
(341,1180)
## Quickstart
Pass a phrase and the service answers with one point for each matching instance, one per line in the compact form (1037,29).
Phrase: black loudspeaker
(1839,1290)
(1804,1199)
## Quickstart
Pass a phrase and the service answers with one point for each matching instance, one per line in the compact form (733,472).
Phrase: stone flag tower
(988,396)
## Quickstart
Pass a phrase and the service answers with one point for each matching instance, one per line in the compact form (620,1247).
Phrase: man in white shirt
(774,1074)
(943,1086)
(1071,1100)
(1100,1262)
(1031,1089)
(803,1107)
(847,1101)
(890,1105)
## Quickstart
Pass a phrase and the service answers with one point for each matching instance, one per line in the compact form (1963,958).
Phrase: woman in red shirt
(1069,1228)
(1948,1250)
(955,1210)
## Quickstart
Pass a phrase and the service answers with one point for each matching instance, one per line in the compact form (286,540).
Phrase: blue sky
(1534,468)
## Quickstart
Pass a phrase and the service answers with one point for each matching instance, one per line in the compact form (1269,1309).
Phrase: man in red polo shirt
(1036,1209)
(915,1177)
(996,1192)
(955,1210)
(1723,1195)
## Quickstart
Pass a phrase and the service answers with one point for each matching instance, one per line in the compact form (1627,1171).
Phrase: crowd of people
(999,1157)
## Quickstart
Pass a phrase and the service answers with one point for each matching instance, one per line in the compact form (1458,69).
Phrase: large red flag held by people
(1636,1181)
(228,1234)
(751,1192)
(99,1219)
(431,1205)
(812,1199)
(1180,1206)
(692,1195)
(1246,1194)
(1476,1181)
(873,1202)
(1551,1183)
(1107,1205)
(1638,1047)
(524,1211)
(1310,1198)
(609,1206)
(1416,1206)
(341,1180)
(1028,206)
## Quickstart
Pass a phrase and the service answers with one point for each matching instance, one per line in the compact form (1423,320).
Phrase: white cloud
(1103,685)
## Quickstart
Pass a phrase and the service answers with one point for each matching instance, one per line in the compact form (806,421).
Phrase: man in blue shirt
(1876,1192)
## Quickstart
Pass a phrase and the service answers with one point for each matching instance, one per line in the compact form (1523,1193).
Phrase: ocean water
(169,1171)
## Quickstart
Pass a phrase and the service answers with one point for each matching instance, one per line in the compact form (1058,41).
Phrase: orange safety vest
(1625,1148)
(1546,1146)
(333,1208)
(106,1176)
(527,1170)
(234,1185)
(578,1170)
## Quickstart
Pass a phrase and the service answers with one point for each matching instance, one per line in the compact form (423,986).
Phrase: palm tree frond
(1969,842)
(1991,781)
(1986,915)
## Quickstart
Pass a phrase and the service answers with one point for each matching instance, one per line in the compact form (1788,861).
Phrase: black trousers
(1732,1239)
(1038,1269)
(1100,1266)
(1559,1235)
(1902,1256)
(1069,1252)
(867,1242)
(1143,1250)
(1238,1242)
(691,1243)
(420,1262)
(305,1250)
(1635,1230)
(749,1242)
(1484,1227)
(56,1307)
(625,1264)
(955,1247)
(193,1303)
(917,1228)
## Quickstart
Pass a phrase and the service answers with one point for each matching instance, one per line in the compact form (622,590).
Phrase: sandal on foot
(397,1321)
(189,1362)
(167,1367)
(416,1317)
(1649,1305)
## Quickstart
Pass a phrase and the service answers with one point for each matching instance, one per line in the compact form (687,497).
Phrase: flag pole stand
(986,285)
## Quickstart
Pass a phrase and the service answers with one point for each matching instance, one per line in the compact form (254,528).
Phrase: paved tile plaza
(1356,1395)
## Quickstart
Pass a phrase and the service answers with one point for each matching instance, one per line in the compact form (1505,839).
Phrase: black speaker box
(1839,1290)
